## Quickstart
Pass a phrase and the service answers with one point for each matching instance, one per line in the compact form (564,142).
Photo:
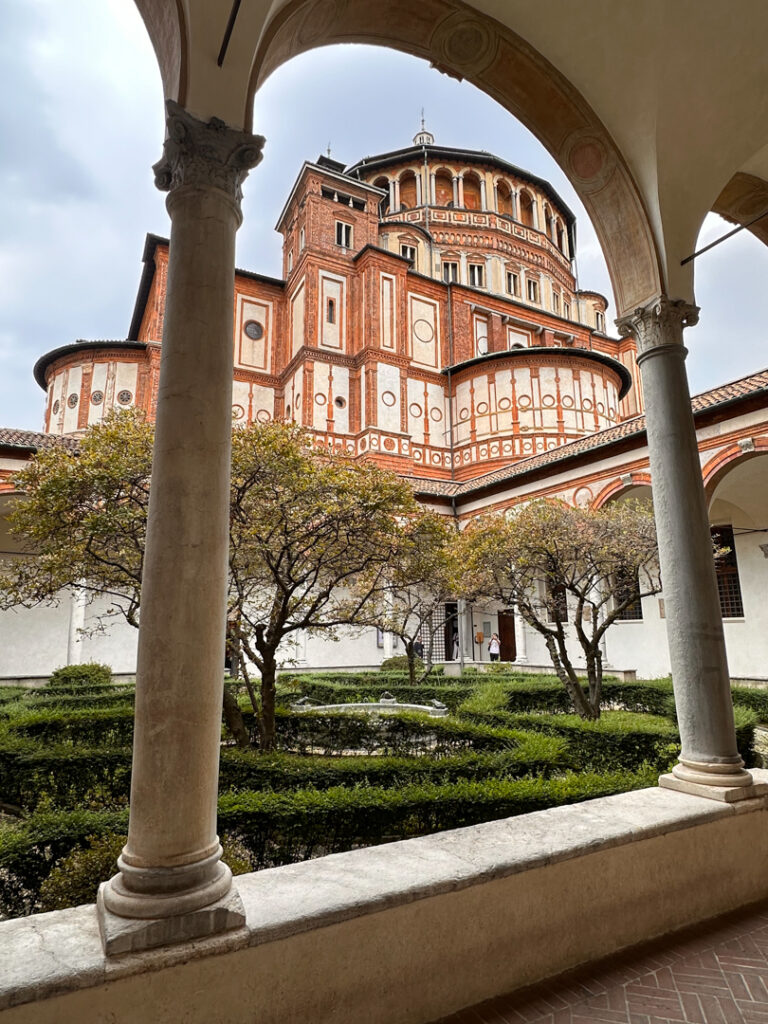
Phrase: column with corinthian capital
(171,884)
(709,763)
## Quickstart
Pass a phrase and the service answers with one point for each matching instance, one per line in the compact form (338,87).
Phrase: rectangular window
(302,239)
(555,303)
(727,571)
(627,585)
(532,288)
(290,260)
(450,272)
(330,311)
(513,283)
(476,275)
(567,310)
(409,251)
(343,234)
(600,321)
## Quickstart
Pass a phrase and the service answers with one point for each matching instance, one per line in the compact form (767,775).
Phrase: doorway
(507,635)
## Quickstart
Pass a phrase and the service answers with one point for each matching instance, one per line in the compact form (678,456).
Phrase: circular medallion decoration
(97,397)
(505,403)
(263,416)
(254,330)
(56,407)
(583,496)
(363,445)
(423,330)
(389,444)
(297,401)
(320,399)
(463,414)
(482,407)
(436,460)
(415,409)
(389,398)
(587,403)
(523,401)
(548,400)
(417,456)
(436,415)
(567,401)
(600,407)
(72,400)
(340,402)
(124,397)
(237,412)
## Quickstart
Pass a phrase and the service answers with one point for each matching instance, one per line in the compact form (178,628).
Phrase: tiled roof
(745,387)
(32,440)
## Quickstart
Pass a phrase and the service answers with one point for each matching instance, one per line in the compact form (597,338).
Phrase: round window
(97,397)
(56,407)
(124,397)
(72,400)
(340,402)
(254,330)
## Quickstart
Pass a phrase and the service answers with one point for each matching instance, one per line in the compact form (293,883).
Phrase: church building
(428,317)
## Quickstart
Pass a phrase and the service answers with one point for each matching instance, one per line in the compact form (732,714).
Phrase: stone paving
(716,973)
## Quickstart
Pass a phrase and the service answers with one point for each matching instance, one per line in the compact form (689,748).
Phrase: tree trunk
(267,717)
(233,718)
(567,677)
(409,653)
(595,677)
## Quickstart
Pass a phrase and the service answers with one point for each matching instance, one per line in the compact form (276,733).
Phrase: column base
(725,791)
(132,935)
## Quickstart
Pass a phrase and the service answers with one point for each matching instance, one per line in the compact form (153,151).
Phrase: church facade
(428,317)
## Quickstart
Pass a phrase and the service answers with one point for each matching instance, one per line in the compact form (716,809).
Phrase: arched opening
(526,208)
(408,194)
(383,183)
(443,189)
(504,199)
(472,192)
(548,226)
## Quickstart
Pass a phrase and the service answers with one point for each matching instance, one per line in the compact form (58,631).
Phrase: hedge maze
(337,781)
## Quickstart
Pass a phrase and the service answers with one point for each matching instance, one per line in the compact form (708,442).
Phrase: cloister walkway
(715,973)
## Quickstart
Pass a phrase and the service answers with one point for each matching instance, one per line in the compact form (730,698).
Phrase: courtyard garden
(504,744)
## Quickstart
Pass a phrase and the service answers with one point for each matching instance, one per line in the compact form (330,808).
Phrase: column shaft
(694,625)
(171,863)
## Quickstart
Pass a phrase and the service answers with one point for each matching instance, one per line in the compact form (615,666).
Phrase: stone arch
(616,488)
(720,465)
(383,182)
(466,43)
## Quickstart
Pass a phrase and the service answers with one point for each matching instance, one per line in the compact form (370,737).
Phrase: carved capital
(205,155)
(658,324)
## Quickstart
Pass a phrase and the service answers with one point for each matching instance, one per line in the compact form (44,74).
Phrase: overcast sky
(81,123)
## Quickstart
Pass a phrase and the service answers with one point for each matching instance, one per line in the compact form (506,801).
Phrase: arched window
(560,237)
(384,184)
(526,209)
(408,191)
(330,314)
(504,199)
(472,193)
(443,189)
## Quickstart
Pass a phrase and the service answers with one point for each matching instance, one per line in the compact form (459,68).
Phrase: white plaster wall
(297,318)
(254,354)
(388,320)
(98,383)
(388,379)
(33,642)
(74,378)
(747,639)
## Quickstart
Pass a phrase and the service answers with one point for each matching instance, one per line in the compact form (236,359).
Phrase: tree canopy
(564,567)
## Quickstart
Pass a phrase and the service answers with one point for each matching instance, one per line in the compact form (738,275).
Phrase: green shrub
(88,674)
(399,663)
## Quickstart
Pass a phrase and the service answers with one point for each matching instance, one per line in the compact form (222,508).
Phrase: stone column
(172,885)
(483,195)
(397,196)
(460,185)
(521,640)
(515,206)
(391,196)
(455,182)
(77,602)
(418,189)
(709,757)
(432,189)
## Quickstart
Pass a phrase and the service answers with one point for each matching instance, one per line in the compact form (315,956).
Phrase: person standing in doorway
(494,647)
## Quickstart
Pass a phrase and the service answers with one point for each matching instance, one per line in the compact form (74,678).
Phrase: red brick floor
(716,973)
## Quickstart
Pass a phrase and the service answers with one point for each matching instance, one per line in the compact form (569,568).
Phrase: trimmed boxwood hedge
(280,828)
